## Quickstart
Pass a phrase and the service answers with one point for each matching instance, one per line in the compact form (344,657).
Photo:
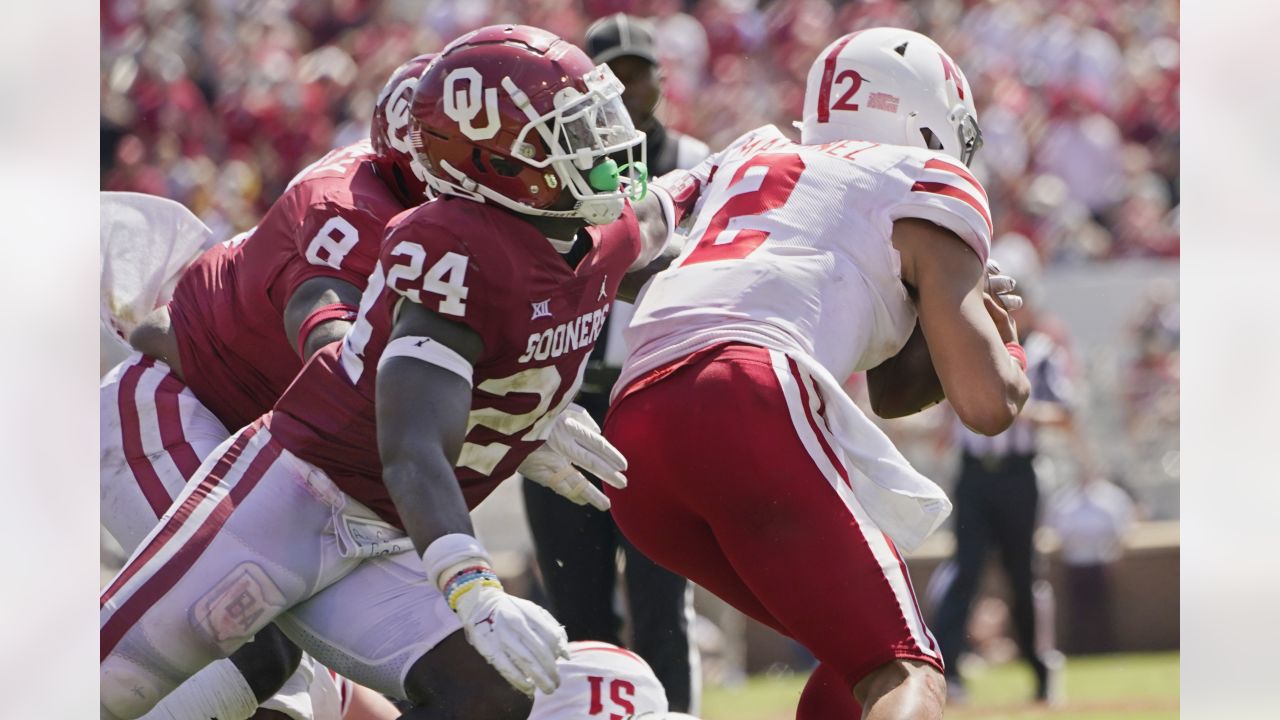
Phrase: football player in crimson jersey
(806,262)
(243,317)
(470,341)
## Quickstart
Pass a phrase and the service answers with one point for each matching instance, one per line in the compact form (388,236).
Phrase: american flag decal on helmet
(883,101)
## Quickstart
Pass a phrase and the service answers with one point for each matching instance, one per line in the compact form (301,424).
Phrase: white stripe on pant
(252,540)
(792,380)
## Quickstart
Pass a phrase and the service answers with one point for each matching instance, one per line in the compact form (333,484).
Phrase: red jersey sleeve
(944,192)
(334,240)
(429,264)
(622,236)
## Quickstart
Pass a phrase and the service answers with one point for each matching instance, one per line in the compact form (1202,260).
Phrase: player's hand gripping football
(576,440)
(1001,287)
(1000,301)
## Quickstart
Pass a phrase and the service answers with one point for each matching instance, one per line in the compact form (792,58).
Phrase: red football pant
(727,488)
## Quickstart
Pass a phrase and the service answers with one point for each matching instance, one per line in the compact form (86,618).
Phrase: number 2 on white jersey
(759,185)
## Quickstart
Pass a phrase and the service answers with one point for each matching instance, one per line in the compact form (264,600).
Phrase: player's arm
(671,199)
(422,403)
(423,399)
(907,383)
(965,329)
(319,312)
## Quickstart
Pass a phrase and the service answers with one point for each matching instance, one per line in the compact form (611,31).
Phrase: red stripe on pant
(131,439)
(169,417)
(170,572)
(180,516)
(813,424)
(844,475)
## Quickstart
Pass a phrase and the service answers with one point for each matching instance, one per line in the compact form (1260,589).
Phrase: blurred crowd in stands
(217,103)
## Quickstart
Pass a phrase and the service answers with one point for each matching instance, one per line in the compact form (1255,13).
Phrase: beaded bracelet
(467,579)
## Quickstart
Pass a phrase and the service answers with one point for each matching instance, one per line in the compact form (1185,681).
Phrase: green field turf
(1114,687)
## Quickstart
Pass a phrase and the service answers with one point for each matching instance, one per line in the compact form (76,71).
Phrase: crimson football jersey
(488,269)
(228,308)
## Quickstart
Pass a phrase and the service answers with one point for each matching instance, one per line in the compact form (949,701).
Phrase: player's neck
(560,231)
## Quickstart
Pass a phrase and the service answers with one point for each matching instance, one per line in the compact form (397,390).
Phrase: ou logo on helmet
(463,104)
(399,104)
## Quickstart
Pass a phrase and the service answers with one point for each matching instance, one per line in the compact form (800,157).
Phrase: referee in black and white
(996,497)
(578,546)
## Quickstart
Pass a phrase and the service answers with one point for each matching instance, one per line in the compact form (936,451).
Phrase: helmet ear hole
(478,160)
(931,141)
(504,166)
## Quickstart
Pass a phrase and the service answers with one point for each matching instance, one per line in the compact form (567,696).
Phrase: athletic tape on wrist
(428,351)
(335,311)
(1018,353)
(682,188)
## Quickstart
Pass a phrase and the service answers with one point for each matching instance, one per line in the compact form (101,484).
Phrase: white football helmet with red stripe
(601,680)
(891,86)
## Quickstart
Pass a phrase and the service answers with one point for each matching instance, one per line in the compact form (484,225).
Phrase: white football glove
(518,638)
(1001,287)
(552,470)
(575,439)
(576,436)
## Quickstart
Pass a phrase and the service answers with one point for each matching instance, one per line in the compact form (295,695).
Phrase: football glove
(575,439)
(552,470)
(518,638)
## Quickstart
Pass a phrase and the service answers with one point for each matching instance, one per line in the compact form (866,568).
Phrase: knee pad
(240,605)
(127,689)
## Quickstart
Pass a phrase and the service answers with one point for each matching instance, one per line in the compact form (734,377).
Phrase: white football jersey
(602,681)
(791,249)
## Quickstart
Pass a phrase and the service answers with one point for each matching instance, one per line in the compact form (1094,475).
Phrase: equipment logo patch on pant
(241,605)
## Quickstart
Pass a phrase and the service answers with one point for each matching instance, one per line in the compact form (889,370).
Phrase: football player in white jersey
(847,251)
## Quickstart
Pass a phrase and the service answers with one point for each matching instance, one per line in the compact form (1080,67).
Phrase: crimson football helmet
(514,115)
(397,165)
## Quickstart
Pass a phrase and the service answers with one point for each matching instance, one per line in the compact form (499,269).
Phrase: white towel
(906,505)
(147,242)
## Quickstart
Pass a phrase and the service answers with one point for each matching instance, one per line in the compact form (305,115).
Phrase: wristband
(466,580)
(336,311)
(451,553)
(1019,355)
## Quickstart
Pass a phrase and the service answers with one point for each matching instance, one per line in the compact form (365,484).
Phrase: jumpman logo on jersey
(541,309)
(489,620)
(603,291)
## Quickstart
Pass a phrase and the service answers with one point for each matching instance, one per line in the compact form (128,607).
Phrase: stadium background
(218,103)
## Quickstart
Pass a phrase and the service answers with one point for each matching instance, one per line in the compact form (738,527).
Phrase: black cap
(620,35)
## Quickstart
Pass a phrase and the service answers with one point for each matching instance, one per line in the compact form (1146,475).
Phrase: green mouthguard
(606,177)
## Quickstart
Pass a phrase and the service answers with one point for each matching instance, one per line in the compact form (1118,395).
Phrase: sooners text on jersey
(485,268)
(227,309)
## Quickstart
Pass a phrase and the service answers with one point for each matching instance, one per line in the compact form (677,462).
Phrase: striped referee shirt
(1047,371)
